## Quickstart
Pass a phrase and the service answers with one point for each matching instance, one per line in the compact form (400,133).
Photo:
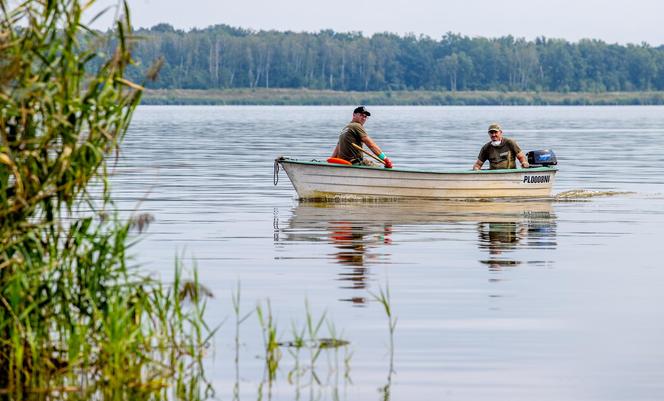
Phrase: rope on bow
(275,176)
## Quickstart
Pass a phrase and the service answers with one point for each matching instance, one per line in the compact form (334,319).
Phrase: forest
(222,57)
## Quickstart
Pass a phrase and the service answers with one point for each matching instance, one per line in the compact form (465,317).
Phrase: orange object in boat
(335,160)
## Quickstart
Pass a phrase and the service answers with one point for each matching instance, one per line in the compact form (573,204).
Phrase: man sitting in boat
(354,134)
(501,152)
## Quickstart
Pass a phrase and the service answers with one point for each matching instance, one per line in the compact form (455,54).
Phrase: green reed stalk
(270,340)
(239,319)
(76,321)
(383,297)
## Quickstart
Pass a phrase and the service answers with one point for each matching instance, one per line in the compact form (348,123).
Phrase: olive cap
(495,127)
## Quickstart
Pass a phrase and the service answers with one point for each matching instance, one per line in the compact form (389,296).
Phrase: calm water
(509,300)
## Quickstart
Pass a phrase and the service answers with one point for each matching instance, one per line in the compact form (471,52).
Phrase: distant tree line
(222,57)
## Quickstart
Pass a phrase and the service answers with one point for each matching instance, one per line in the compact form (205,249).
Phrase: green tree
(641,66)
(227,57)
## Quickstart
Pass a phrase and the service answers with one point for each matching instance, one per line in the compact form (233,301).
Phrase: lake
(557,299)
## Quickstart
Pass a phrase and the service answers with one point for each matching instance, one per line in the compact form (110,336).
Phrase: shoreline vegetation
(387,68)
(78,320)
(314,97)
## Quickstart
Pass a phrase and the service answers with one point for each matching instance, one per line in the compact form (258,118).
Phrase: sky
(613,21)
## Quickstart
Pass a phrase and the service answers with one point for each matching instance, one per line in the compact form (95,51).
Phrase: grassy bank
(264,96)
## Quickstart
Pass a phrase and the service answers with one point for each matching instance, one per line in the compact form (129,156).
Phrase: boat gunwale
(486,171)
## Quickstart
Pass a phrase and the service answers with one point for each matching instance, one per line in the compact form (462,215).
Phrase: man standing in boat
(501,152)
(354,135)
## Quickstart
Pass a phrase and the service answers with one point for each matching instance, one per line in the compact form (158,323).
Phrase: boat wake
(580,194)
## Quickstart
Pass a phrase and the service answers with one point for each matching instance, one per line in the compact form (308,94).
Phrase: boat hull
(320,180)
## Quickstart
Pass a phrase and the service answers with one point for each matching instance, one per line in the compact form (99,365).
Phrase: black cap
(361,110)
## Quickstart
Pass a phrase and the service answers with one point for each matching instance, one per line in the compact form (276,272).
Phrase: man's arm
(376,149)
(519,153)
(336,151)
(481,157)
(371,145)
(522,160)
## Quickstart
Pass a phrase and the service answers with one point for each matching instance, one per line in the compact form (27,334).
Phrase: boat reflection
(535,228)
(354,243)
(362,233)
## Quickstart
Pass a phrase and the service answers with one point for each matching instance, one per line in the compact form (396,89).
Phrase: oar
(370,154)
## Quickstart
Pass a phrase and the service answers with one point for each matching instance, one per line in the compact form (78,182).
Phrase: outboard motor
(541,158)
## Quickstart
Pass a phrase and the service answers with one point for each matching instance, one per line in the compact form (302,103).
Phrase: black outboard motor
(541,158)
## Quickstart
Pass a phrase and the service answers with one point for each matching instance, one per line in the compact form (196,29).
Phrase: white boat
(315,180)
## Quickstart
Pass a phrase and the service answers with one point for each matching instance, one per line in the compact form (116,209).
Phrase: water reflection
(354,243)
(362,234)
(534,227)
(353,230)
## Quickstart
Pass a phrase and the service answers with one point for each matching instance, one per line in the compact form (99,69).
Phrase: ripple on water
(574,194)
(513,300)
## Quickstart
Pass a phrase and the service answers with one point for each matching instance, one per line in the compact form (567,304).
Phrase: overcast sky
(614,21)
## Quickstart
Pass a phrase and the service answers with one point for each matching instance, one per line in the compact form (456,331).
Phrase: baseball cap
(495,127)
(361,110)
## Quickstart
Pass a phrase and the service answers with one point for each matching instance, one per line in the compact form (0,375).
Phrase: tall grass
(383,298)
(270,340)
(239,319)
(308,337)
(76,321)
(316,97)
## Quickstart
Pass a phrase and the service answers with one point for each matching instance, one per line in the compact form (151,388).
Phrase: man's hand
(388,163)
(525,165)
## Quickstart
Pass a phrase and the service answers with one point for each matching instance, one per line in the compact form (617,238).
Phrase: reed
(270,341)
(307,336)
(321,97)
(383,297)
(239,319)
(76,321)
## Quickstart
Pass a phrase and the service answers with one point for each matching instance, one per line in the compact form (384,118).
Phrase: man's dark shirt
(500,157)
(353,133)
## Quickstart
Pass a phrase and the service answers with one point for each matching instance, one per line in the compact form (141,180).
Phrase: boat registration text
(536,179)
